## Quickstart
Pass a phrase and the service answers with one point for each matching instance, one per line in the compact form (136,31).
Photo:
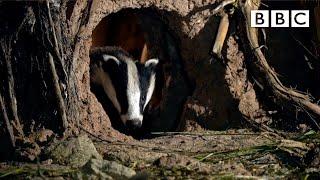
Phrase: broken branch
(221,35)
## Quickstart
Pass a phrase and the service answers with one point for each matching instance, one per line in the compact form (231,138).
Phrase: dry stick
(6,119)
(55,79)
(281,92)
(218,44)
(56,48)
(222,5)
(263,127)
(62,109)
(221,35)
(12,97)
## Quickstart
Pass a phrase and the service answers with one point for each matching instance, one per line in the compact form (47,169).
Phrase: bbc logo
(280,18)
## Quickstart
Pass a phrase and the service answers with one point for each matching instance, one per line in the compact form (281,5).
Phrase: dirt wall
(218,87)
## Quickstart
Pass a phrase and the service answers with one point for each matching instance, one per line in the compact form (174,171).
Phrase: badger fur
(127,83)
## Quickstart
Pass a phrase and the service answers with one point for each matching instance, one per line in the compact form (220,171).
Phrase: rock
(74,152)
(104,169)
(175,161)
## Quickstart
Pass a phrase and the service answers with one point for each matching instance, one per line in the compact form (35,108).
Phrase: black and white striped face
(128,84)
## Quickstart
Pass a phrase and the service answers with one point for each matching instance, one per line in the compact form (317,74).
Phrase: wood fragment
(222,5)
(221,35)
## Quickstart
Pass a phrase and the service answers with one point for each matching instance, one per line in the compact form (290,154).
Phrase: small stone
(103,168)
(74,152)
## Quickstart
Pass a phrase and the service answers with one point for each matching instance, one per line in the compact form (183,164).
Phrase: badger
(128,84)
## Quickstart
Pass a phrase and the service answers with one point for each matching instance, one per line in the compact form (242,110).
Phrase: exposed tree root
(287,98)
(7,122)
(60,102)
(6,47)
(57,46)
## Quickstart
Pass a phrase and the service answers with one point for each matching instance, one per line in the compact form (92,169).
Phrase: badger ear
(151,63)
(107,58)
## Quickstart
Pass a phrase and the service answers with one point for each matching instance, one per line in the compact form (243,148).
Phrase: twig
(263,127)
(222,5)
(56,48)
(311,117)
(53,29)
(7,122)
(212,8)
(55,79)
(61,108)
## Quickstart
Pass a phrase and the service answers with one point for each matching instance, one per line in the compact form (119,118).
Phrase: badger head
(128,84)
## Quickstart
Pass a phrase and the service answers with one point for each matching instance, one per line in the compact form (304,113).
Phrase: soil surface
(209,154)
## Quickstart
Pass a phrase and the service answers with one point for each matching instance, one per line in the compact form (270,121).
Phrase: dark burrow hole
(144,35)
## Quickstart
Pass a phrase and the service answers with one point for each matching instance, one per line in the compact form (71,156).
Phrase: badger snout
(128,84)
(133,124)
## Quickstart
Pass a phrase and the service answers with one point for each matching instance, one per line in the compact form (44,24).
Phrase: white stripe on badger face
(152,61)
(150,90)
(103,78)
(133,94)
(152,80)
(107,57)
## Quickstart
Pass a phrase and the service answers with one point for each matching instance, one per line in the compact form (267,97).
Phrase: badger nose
(133,124)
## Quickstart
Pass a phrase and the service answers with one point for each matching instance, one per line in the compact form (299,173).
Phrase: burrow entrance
(144,35)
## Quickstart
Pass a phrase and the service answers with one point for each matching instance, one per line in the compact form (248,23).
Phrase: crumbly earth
(213,103)
(232,154)
(223,94)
